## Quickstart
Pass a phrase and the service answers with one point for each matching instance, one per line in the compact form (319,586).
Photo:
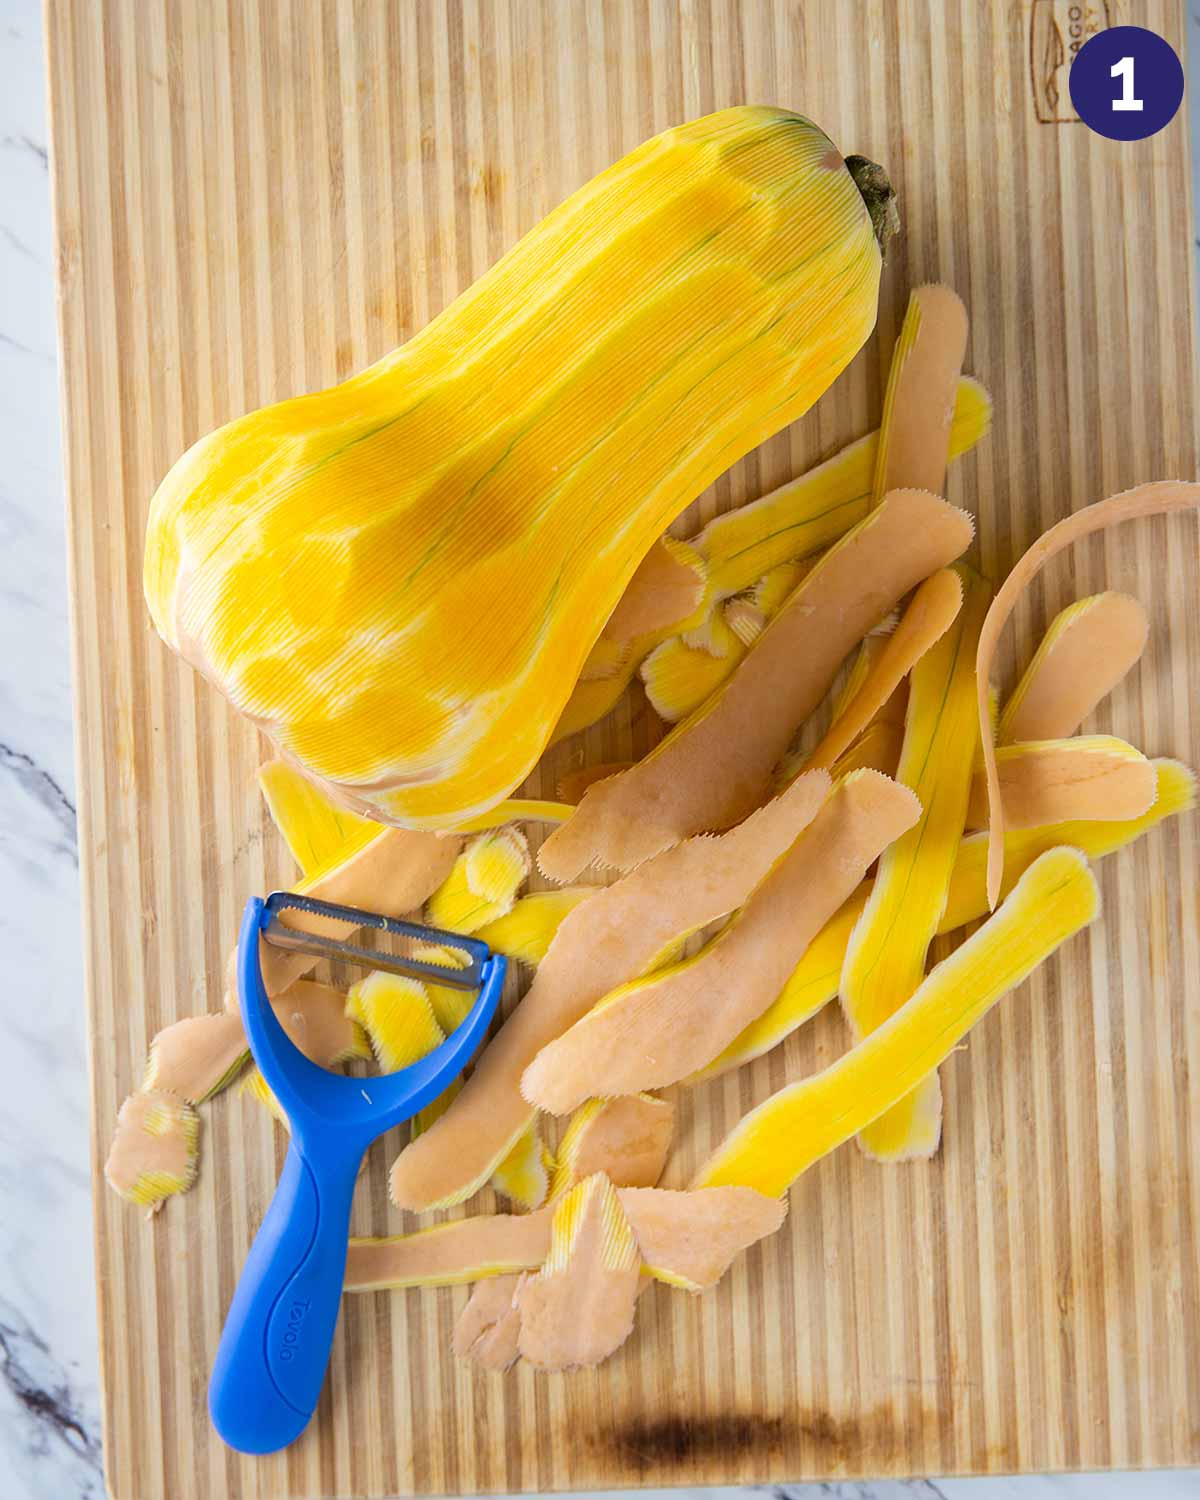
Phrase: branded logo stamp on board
(1057,30)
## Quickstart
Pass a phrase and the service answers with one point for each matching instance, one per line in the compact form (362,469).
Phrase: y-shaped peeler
(274,1349)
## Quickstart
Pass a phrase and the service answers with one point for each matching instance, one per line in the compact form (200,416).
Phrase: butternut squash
(399,579)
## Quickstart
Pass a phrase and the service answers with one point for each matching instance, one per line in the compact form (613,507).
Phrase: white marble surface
(49,1442)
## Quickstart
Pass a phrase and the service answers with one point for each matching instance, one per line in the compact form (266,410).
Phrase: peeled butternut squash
(400,578)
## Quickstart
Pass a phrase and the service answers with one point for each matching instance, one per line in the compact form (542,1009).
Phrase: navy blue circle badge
(1126,83)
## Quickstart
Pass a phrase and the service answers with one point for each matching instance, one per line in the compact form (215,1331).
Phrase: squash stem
(877,193)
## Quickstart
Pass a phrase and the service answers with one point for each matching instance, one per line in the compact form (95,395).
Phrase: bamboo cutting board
(256,197)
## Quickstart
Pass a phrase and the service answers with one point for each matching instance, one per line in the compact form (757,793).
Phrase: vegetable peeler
(275,1345)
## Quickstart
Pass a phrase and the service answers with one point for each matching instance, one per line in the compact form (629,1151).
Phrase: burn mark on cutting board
(664,1442)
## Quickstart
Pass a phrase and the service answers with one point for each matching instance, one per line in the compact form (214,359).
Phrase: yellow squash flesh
(814,981)
(400,578)
(885,958)
(1055,897)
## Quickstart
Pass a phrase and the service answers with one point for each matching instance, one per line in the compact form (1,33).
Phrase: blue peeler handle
(274,1349)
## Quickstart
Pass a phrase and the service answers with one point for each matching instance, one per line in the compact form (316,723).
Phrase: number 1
(1124,71)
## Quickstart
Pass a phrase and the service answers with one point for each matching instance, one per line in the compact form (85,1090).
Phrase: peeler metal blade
(276,931)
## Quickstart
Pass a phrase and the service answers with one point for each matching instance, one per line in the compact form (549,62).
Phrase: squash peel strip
(522,1177)
(885,958)
(864,659)
(579,1307)
(318,833)
(486,1330)
(395,1012)
(1090,646)
(812,984)
(154,1149)
(573,784)
(1087,778)
(527,931)
(929,615)
(607,940)
(667,592)
(799,519)
(449,1005)
(516,810)
(1174,794)
(876,749)
(483,881)
(653,1031)
(918,405)
(197,1057)
(1162,497)
(815,510)
(815,980)
(687,1239)
(777,1142)
(590,701)
(679,676)
(683,671)
(627,1139)
(716,766)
